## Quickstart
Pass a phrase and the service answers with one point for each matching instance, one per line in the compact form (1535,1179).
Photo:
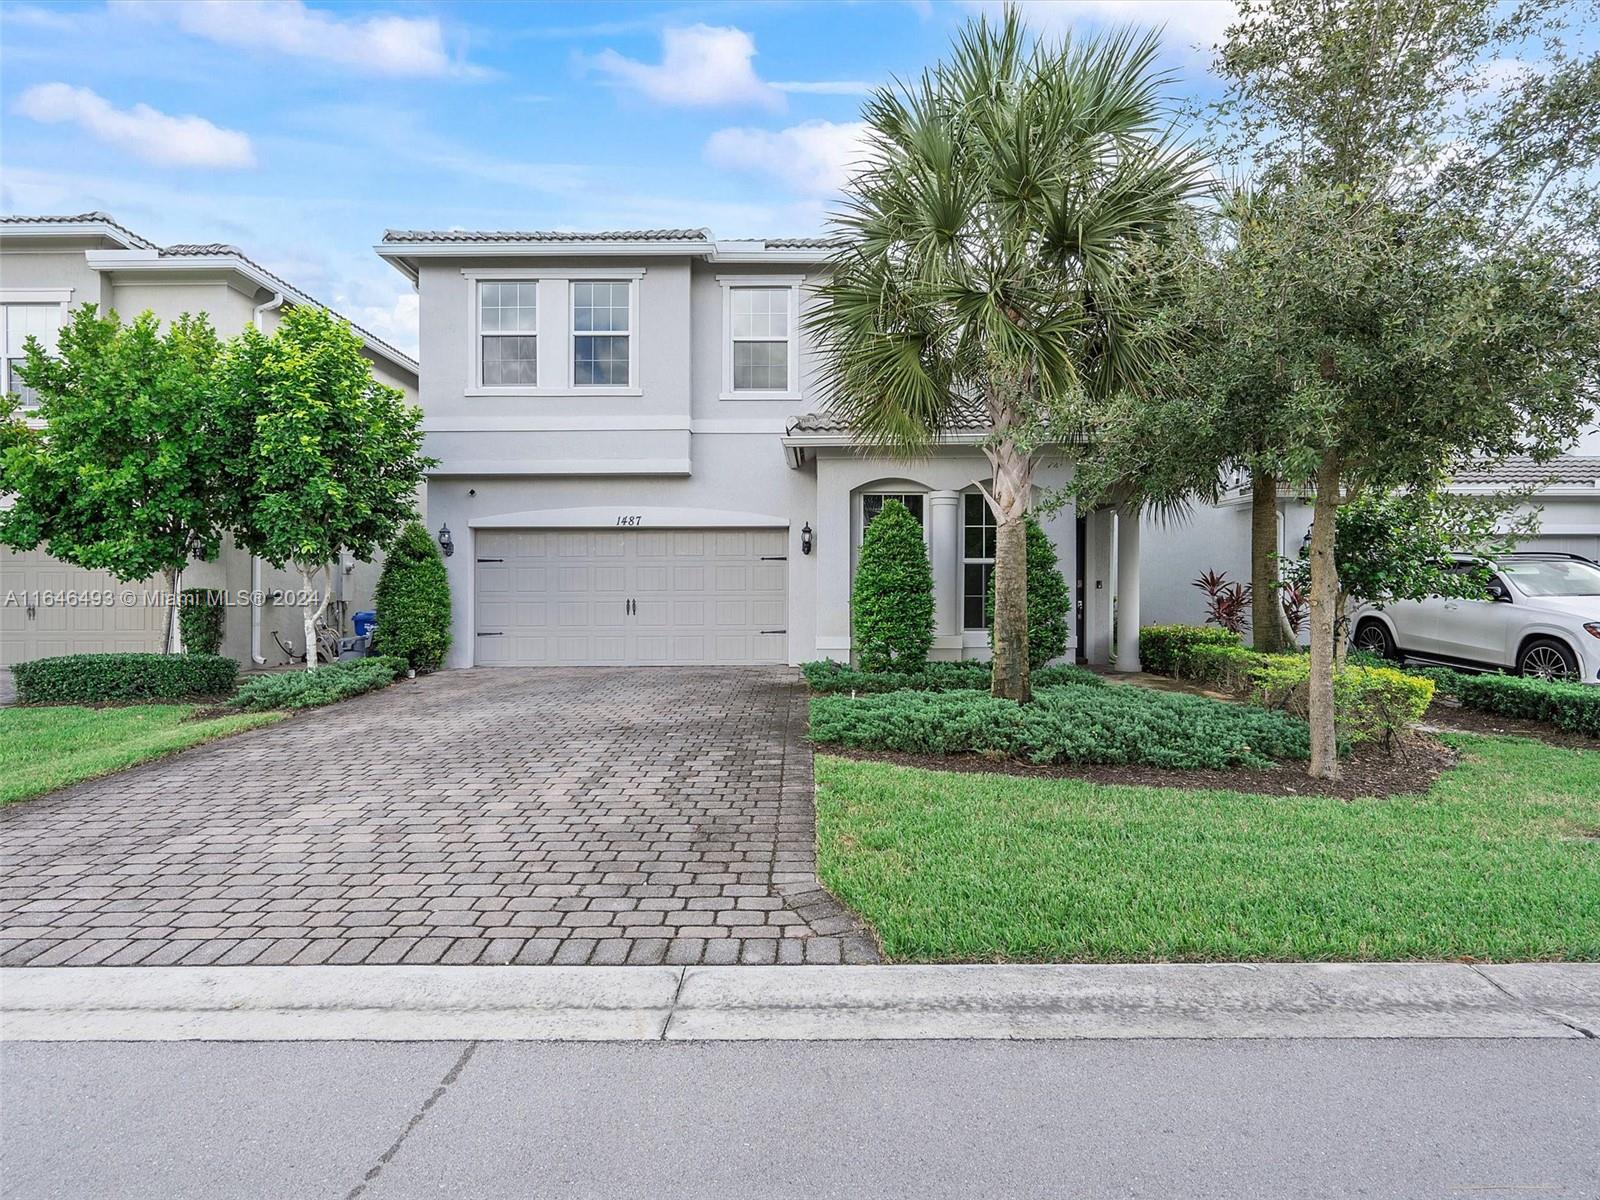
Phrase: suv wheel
(1373,637)
(1546,658)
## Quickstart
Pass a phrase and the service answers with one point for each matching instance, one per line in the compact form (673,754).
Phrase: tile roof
(87,218)
(972,419)
(546,235)
(1570,470)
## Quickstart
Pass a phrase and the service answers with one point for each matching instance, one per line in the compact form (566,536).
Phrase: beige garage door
(48,608)
(631,597)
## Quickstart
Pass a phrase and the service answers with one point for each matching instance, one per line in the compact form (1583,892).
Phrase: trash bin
(363,622)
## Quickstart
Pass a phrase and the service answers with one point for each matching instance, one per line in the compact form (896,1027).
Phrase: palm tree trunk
(1269,628)
(1324,620)
(1013,492)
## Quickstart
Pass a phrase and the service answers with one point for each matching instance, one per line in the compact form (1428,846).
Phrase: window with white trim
(872,504)
(21,321)
(978,535)
(601,333)
(760,326)
(508,332)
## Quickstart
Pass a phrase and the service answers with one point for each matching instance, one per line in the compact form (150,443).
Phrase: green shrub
(200,613)
(1068,724)
(970,676)
(1161,647)
(1368,702)
(1446,680)
(1049,601)
(1574,707)
(309,689)
(95,678)
(1228,668)
(891,604)
(413,602)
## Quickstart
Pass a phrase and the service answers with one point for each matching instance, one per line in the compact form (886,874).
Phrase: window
(601,320)
(508,332)
(760,328)
(22,321)
(977,558)
(872,504)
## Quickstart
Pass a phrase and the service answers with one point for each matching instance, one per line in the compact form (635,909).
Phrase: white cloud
(395,323)
(701,66)
(828,87)
(1193,22)
(380,44)
(141,130)
(816,157)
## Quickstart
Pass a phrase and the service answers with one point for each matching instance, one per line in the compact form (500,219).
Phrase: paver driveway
(483,816)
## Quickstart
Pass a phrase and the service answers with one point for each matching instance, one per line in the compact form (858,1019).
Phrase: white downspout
(255,563)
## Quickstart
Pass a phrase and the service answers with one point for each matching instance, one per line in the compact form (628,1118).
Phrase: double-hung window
(761,331)
(978,535)
(508,332)
(21,321)
(872,504)
(602,333)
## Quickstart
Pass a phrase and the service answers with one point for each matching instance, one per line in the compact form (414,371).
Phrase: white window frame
(973,560)
(556,370)
(535,333)
(60,297)
(730,282)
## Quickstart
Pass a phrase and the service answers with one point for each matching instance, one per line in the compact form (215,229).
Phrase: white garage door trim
(581,596)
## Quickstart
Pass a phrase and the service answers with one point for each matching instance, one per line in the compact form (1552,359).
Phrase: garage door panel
(698,596)
(50,608)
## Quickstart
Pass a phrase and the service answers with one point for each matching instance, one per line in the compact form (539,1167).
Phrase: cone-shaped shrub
(413,602)
(891,607)
(1049,601)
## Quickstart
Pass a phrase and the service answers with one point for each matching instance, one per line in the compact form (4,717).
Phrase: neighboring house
(50,265)
(1566,492)
(633,468)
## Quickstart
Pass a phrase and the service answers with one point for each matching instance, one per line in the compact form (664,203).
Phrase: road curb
(400,1003)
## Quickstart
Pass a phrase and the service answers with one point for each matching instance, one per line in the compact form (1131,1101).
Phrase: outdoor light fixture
(446,544)
(805,538)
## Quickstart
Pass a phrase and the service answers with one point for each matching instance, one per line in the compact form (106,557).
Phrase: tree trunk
(309,614)
(174,638)
(1269,628)
(1324,620)
(1341,631)
(1011,497)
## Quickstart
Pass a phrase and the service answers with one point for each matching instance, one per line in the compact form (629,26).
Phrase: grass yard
(1501,860)
(42,749)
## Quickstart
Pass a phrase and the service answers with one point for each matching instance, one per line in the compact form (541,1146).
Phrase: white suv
(1542,619)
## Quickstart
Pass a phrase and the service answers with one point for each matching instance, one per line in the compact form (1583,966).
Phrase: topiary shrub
(891,604)
(413,602)
(1161,647)
(96,678)
(200,613)
(1049,601)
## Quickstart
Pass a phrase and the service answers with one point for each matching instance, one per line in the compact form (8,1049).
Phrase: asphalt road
(754,1120)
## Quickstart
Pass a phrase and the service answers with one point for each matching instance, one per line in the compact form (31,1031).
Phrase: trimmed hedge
(1162,647)
(827,676)
(97,678)
(891,602)
(200,613)
(310,689)
(1574,707)
(1065,725)
(413,602)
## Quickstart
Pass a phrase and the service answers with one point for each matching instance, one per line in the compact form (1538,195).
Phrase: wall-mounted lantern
(805,538)
(447,545)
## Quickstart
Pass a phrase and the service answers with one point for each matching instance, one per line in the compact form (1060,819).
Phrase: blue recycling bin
(363,622)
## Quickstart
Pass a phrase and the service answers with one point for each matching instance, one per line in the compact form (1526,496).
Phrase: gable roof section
(1568,471)
(89,223)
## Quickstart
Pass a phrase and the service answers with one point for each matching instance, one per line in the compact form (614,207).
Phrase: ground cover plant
(325,685)
(825,675)
(1500,860)
(42,749)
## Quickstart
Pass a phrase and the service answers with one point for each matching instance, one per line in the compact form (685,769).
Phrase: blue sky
(301,131)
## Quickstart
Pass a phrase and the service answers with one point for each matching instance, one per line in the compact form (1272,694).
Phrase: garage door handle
(774,631)
(496,634)
(774,558)
(491,560)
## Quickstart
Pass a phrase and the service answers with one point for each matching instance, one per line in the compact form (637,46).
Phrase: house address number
(631,519)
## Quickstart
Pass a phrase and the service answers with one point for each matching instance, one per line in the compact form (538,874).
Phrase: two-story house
(633,468)
(50,265)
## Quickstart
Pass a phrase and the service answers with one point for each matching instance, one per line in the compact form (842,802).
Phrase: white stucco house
(633,467)
(50,265)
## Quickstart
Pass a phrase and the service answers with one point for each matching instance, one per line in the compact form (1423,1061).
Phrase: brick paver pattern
(554,815)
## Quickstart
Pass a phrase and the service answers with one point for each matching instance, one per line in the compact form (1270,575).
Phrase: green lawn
(1501,860)
(42,749)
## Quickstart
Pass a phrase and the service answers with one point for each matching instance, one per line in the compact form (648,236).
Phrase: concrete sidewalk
(399,1003)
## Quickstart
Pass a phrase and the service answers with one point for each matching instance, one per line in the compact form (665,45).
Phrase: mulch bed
(1370,771)
(1449,716)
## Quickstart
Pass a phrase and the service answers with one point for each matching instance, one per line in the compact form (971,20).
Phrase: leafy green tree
(1049,601)
(328,460)
(891,604)
(126,475)
(413,601)
(992,263)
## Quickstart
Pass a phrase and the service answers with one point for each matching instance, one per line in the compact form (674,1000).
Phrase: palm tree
(988,258)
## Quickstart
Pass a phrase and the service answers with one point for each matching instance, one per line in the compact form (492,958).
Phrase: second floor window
(601,329)
(508,332)
(760,328)
(19,321)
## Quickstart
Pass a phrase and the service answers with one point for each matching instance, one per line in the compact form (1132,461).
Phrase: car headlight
(1592,629)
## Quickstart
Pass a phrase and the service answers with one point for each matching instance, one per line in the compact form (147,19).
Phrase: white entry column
(1127,589)
(944,556)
